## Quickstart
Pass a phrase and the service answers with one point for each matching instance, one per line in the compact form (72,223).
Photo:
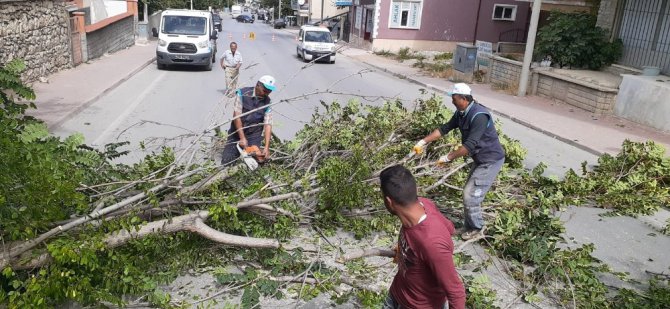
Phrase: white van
(315,43)
(186,37)
(236,10)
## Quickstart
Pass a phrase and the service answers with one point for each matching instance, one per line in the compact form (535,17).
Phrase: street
(171,107)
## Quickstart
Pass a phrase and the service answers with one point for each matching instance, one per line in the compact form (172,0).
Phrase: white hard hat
(461,89)
(268,81)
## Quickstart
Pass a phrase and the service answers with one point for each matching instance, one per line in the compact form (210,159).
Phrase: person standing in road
(480,141)
(426,276)
(252,120)
(231,63)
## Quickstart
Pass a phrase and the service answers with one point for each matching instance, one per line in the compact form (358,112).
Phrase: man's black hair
(398,184)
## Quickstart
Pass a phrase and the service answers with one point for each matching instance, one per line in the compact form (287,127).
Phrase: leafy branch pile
(77,227)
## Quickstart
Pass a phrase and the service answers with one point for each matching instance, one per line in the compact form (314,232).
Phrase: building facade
(436,24)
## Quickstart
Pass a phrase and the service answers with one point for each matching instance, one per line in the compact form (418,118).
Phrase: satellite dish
(301,2)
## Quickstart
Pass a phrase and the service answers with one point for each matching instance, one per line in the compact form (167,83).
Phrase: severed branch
(5,258)
(193,222)
(366,253)
(278,210)
(446,176)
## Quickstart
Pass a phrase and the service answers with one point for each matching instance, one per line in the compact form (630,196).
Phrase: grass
(509,88)
(443,56)
(438,66)
(384,53)
(404,54)
(479,76)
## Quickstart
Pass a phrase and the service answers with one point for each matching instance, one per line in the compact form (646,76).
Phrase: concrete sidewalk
(596,134)
(68,92)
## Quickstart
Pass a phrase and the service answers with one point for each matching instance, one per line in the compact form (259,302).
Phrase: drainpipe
(479,8)
(530,45)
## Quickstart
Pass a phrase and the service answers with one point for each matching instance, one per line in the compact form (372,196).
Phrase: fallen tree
(76,226)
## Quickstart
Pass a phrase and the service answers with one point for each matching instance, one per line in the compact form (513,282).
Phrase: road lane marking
(126,112)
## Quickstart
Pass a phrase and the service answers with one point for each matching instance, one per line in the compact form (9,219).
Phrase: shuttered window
(405,14)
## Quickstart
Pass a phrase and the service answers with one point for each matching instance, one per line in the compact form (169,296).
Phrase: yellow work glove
(418,148)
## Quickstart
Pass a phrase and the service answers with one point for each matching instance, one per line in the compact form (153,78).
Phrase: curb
(56,125)
(497,112)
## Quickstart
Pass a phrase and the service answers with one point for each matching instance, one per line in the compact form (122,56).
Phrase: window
(405,14)
(504,12)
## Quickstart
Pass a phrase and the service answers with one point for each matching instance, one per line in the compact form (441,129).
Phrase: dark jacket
(253,122)
(478,133)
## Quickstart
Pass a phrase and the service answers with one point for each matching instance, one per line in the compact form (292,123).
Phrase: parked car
(279,23)
(217,22)
(244,19)
(315,43)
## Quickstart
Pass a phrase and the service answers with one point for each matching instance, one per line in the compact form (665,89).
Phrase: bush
(404,54)
(573,40)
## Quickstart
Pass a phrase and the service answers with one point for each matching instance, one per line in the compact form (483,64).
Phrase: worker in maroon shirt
(426,277)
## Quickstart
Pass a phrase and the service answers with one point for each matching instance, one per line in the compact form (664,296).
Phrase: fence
(645,32)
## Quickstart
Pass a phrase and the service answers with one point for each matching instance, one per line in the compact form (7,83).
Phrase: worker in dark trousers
(480,141)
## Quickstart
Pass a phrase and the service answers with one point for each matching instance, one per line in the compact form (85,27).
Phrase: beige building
(309,11)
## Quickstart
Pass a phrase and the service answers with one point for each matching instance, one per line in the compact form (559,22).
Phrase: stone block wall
(111,38)
(598,100)
(37,32)
(607,14)
(504,72)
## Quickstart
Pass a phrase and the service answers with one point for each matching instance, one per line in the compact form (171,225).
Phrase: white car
(315,43)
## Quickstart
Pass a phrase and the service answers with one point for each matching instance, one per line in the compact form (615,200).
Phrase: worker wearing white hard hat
(252,121)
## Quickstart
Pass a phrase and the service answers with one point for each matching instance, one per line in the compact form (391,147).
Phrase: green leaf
(73,141)
(250,298)
(34,131)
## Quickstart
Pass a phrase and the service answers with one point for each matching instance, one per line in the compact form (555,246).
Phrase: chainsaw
(251,156)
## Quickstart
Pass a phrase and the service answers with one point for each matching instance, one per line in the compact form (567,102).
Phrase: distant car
(217,22)
(244,19)
(315,43)
(279,23)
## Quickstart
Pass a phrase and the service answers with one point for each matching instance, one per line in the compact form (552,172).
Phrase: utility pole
(322,11)
(530,45)
(191,4)
(279,9)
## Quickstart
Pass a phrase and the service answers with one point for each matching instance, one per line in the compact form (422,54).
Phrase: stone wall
(504,73)
(37,32)
(111,38)
(592,98)
(607,14)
